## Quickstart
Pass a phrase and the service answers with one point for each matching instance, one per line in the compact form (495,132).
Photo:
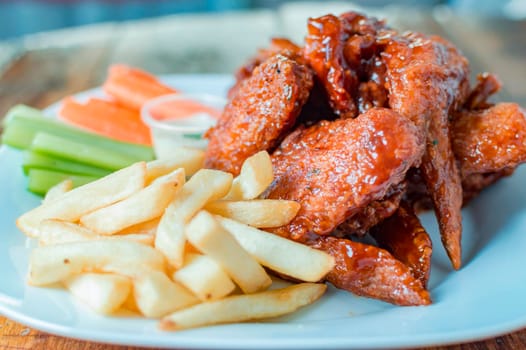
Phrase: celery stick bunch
(55,151)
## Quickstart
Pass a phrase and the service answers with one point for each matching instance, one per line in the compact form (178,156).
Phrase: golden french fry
(85,199)
(204,233)
(241,308)
(156,295)
(279,254)
(206,185)
(147,204)
(54,231)
(104,293)
(255,176)
(190,249)
(54,263)
(58,190)
(190,159)
(130,304)
(256,212)
(204,277)
(147,227)
(142,238)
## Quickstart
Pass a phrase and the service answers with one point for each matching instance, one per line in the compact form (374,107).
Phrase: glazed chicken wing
(260,114)
(403,235)
(373,214)
(334,169)
(488,145)
(344,169)
(282,46)
(373,272)
(490,140)
(324,50)
(343,52)
(488,84)
(427,80)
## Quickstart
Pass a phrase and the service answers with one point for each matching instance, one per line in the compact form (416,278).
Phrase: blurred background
(51,48)
(20,17)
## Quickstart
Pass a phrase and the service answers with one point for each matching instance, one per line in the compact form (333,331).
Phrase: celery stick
(17,136)
(60,147)
(22,110)
(23,123)
(36,160)
(41,180)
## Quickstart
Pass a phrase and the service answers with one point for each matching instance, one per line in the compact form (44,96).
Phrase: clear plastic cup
(180,120)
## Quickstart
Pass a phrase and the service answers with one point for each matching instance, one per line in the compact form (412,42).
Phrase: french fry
(279,254)
(255,176)
(146,204)
(85,199)
(54,231)
(96,240)
(257,212)
(130,304)
(146,227)
(104,293)
(156,295)
(204,277)
(58,190)
(241,308)
(204,233)
(190,159)
(55,263)
(205,186)
(141,238)
(190,249)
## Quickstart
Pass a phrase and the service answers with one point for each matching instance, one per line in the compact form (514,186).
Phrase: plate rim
(170,339)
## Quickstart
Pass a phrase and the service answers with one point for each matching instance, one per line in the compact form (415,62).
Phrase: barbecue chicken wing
(373,272)
(260,114)
(334,169)
(405,238)
(324,50)
(490,140)
(282,46)
(427,79)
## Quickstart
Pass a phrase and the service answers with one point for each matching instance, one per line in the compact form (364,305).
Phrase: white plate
(484,299)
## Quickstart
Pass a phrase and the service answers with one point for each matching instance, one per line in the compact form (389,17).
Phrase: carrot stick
(178,109)
(120,69)
(132,87)
(106,118)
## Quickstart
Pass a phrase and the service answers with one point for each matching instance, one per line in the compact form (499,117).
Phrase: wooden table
(42,69)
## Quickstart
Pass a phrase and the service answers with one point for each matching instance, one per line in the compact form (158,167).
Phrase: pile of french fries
(174,241)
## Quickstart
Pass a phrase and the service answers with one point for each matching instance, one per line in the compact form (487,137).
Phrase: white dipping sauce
(170,133)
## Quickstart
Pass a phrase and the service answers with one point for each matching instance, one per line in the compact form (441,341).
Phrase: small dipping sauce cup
(180,120)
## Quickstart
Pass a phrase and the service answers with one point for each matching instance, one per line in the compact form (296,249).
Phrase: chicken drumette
(334,169)
(260,114)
